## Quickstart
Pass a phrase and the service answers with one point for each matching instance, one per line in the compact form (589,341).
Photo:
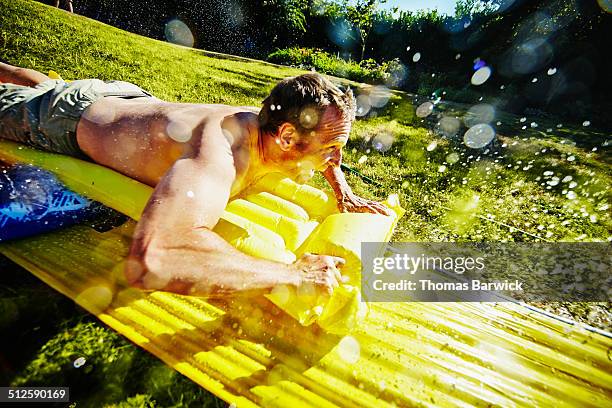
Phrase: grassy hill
(517,189)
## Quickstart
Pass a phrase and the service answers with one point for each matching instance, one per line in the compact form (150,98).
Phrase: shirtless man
(198,157)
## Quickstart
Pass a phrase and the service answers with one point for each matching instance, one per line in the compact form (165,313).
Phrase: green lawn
(517,189)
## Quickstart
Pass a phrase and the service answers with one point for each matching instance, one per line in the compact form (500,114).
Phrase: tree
(361,16)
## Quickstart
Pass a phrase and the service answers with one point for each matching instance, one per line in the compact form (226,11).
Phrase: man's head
(305,122)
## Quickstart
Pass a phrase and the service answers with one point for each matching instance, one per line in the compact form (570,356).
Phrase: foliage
(366,71)
(361,16)
(576,33)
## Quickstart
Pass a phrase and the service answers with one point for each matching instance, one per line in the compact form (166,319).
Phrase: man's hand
(354,203)
(320,271)
(347,201)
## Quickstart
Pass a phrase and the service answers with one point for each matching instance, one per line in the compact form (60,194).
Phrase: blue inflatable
(34,201)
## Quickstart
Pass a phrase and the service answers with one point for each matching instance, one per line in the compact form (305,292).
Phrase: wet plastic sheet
(252,353)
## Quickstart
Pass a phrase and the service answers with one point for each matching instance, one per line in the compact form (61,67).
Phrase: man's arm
(347,200)
(21,76)
(175,249)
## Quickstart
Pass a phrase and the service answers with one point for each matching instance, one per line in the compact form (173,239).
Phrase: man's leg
(21,76)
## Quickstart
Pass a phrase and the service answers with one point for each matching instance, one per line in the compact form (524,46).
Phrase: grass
(514,190)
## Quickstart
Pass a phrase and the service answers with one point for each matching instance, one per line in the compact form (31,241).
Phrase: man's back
(143,137)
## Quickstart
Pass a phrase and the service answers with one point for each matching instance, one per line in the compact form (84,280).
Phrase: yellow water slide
(301,349)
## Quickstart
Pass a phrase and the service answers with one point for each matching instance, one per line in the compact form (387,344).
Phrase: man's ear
(287,136)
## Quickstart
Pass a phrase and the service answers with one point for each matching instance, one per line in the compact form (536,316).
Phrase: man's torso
(143,137)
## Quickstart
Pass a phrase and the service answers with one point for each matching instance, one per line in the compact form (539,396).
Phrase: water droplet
(534,80)
(571,158)
(523,119)
(534,125)
(457,56)
(502,87)
(572,184)
(349,350)
(571,195)
(424,109)
(586,123)
(559,125)
(442,169)
(498,123)
(552,71)
(278,107)
(432,146)
(416,57)
(272,107)
(408,48)
(478,136)
(362,159)
(452,158)
(566,179)
(79,362)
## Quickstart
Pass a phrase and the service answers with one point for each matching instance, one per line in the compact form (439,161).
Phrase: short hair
(312,93)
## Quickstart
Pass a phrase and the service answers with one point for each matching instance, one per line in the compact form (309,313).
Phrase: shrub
(368,71)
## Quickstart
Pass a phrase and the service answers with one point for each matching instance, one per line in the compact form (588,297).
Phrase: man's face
(322,146)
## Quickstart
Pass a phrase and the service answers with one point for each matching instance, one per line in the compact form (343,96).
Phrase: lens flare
(478,136)
(178,131)
(606,5)
(481,113)
(449,126)
(309,118)
(478,64)
(425,109)
(481,76)
(349,350)
(379,96)
(177,32)
(363,105)
(383,142)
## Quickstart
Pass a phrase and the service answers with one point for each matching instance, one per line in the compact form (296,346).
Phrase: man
(198,157)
